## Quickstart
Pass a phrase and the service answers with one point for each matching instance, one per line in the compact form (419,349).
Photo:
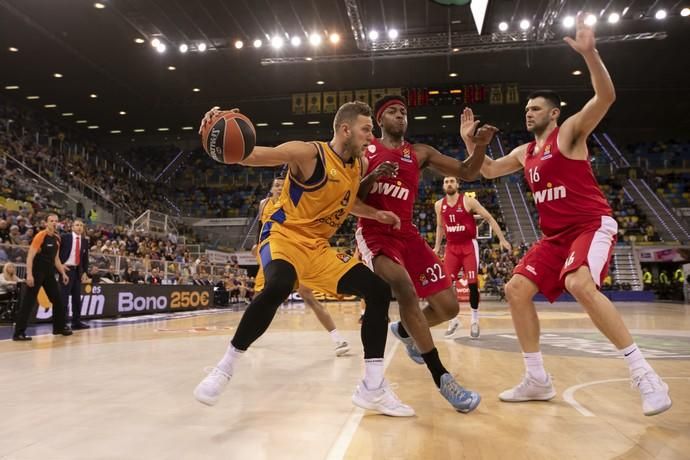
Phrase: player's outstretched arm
(360,209)
(467,170)
(508,164)
(476,207)
(576,128)
(440,231)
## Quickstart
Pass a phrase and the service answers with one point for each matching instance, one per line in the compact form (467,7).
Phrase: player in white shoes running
(320,191)
(579,232)
(455,219)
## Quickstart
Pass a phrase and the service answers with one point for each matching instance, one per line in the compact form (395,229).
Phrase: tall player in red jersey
(455,219)
(579,232)
(402,257)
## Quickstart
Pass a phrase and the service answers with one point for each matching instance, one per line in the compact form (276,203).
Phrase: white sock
(373,373)
(633,357)
(534,363)
(336,337)
(231,355)
(475,315)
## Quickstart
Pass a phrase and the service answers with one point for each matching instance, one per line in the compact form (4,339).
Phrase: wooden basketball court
(125,391)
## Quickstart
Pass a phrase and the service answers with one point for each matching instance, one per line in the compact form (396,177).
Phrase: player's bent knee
(580,285)
(516,290)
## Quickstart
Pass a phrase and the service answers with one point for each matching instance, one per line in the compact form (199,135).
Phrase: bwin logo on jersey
(550,194)
(386,189)
(455,228)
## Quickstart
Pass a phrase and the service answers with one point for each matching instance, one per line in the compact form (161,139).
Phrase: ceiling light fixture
(320,82)
(590,20)
(563,103)
(184,48)
(315,122)
(139,130)
(92,127)
(67,114)
(172,67)
(685,12)
(81,122)
(577,72)
(11,87)
(257,43)
(139,41)
(277,42)
(452,74)
(161,48)
(115,131)
(661,14)
(201,47)
(93,96)
(334,38)
(393,34)
(286,123)
(239,44)
(163,129)
(13,49)
(57,75)
(32,98)
(296,41)
(155,42)
(50,106)
(420,117)
(503,26)
(187,128)
(524,24)
(261,125)
(122,112)
(98,6)
(374,35)
(196,90)
(568,22)
(447,116)
(614,18)
(315,39)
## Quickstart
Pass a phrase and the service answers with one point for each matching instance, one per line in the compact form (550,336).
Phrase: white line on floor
(569,394)
(349,429)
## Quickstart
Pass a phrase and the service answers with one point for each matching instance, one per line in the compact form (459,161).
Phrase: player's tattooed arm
(385,169)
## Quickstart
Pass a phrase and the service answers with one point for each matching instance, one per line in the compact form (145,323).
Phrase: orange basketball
(229,138)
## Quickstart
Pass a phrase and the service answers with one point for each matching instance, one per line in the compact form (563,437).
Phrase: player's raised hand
(388,217)
(484,135)
(386,169)
(215,110)
(584,41)
(468,125)
(506,245)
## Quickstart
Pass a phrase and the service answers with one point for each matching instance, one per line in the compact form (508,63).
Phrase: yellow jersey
(317,208)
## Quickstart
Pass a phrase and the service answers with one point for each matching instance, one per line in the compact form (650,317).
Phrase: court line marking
(569,394)
(344,439)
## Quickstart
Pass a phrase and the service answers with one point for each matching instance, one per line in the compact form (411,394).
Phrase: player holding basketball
(320,191)
(455,219)
(402,257)
(579,232)
(265,211)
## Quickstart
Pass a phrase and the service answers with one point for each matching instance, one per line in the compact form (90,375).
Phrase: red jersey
(396,194)
(565,191)
(458,222)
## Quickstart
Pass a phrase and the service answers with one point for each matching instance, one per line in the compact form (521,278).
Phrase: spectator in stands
(8,282)
(15,236)
(154,277)
(4,231)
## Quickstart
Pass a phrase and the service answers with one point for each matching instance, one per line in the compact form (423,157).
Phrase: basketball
(229,138)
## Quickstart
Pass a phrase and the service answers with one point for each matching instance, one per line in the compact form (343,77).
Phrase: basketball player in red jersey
(402,258)
(579,232)
(455,218)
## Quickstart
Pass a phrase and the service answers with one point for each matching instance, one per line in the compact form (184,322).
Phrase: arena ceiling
(137,88)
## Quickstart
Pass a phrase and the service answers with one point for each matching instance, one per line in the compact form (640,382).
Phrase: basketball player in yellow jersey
(320,191)
(307,295)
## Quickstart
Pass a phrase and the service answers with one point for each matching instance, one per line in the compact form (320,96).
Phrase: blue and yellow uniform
(296,228)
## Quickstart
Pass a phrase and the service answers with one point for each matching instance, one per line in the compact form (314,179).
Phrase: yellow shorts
(318,265)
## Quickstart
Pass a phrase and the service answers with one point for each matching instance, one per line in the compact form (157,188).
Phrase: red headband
(386,105)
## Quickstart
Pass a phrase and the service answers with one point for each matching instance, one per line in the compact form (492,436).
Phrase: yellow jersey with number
(316,208)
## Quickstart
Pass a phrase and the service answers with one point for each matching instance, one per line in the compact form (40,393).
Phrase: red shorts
(550,259)
(463,255)
(407,248)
